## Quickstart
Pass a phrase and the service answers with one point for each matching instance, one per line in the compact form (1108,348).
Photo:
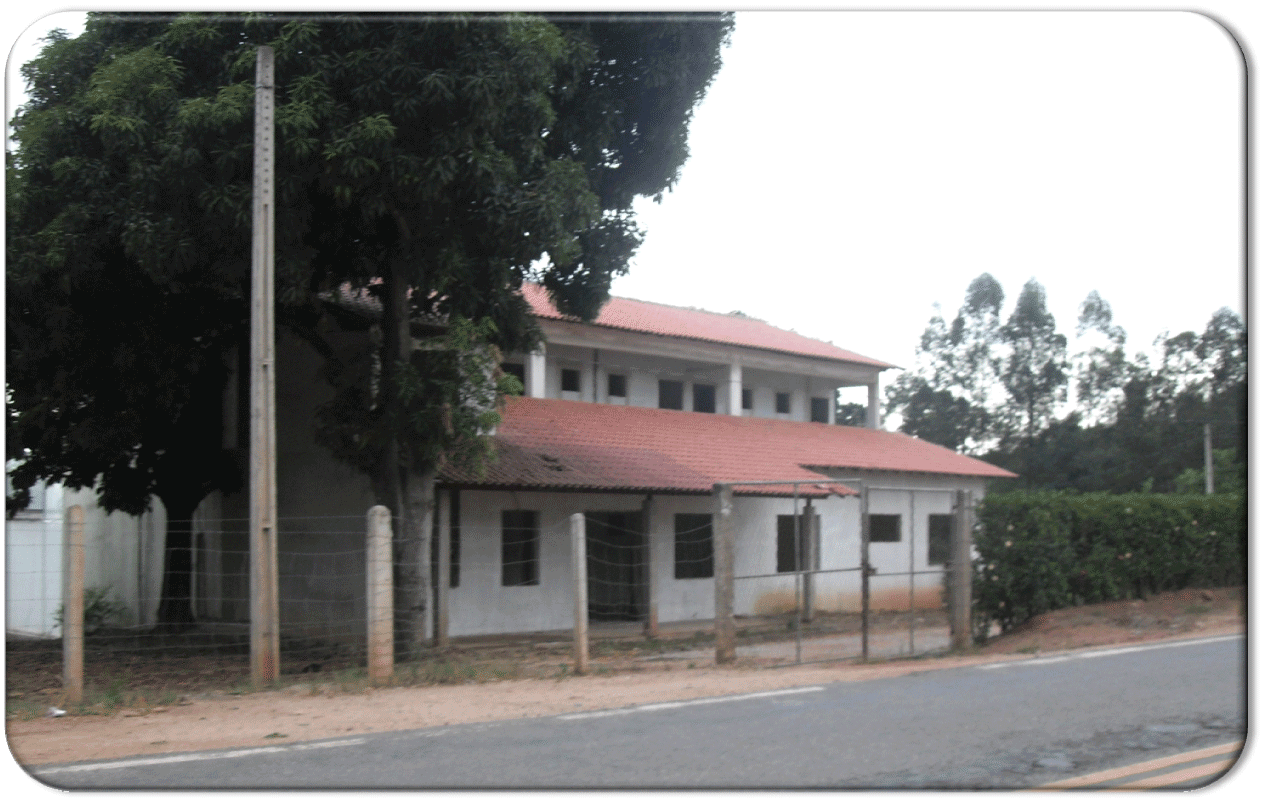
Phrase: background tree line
(1083,415)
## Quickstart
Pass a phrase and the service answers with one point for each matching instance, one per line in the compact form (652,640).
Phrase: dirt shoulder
(307,711)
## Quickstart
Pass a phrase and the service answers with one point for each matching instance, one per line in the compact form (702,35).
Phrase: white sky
(851,169)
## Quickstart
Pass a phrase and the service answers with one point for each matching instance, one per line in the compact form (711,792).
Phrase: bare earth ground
(324,707)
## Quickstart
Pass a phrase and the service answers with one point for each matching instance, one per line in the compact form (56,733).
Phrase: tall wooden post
(960,573)
(723,546)
(379,591)
(865,573)
(265,639)
(72,606)
(652,585)
(580,581)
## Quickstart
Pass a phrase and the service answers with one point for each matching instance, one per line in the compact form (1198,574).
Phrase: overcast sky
(849,170)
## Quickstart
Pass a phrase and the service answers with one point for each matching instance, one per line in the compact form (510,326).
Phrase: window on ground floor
(790,556)
(783,403)
(939,538)
(520,548)
(693,545)
(884,528)
(571,380)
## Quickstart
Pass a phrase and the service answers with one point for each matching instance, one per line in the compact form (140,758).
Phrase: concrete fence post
(379,591)
(580,579)
(652,579)
(72,606)
(443,569)
(960,573)
(723,547)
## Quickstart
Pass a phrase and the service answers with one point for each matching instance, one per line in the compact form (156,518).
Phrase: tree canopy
(1001,391)
(434,162)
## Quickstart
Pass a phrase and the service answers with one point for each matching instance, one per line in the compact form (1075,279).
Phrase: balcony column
(535,370)
(871,412)
(735,388)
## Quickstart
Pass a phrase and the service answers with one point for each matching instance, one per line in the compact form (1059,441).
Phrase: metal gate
(807,632)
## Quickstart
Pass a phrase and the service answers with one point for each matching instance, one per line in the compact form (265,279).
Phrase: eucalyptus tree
(432,162)
(1034,369)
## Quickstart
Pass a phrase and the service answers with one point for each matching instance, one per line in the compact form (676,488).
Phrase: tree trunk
(175,607)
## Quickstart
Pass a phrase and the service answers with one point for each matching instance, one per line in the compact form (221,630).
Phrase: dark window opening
(693,545)
(616,385)
(939,538)
(671,395)
(884,528)
(746,398)
(704,398)
(789,559)
(783,402)
(571,380)
(820,410)
(520,548)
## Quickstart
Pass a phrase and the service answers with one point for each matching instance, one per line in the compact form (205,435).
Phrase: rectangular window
(671,395)
(783,403)
(616,385)
(704,398)
(884,528)
(693,545)
(571,380)
(520,548)
(788,559)
(746,398)
(820,410)
(939,538)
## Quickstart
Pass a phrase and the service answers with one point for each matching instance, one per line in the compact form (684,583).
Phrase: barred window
(787,558)
(693,545)
(520,548)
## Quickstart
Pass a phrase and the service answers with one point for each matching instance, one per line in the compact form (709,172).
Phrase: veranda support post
(72,607)
(723,549)
(960,573)
(580,579)
(865,573)
(380,625)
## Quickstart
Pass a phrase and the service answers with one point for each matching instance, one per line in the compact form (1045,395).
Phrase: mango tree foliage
(429,162)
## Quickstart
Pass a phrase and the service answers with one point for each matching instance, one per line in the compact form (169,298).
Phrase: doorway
(616,566)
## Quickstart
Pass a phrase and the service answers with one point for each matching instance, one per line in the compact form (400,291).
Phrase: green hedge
(1039,551)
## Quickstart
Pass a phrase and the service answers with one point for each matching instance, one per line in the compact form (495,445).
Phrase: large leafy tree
(431,163)
(1034,370)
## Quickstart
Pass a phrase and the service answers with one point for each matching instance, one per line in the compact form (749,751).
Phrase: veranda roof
(559,445)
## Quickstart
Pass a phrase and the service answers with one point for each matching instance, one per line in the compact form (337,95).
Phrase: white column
(535,370)
(735,388)
(872,412)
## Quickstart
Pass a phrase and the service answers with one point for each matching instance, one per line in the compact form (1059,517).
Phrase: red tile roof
(552,444)
(713,327)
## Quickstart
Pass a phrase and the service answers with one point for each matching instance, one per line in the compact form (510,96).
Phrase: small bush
(99,610)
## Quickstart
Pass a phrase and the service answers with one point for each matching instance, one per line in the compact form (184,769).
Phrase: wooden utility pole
(265,641)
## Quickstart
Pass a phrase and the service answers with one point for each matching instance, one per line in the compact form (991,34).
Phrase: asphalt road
(1012,725)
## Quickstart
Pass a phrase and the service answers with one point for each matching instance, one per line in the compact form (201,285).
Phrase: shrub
(99,610)
(1039,551)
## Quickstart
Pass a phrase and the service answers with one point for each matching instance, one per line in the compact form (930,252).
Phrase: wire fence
(183,606)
